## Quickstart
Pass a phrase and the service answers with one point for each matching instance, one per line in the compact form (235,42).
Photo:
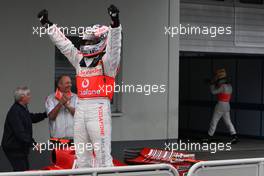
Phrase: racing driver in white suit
(223,90)
(96,65)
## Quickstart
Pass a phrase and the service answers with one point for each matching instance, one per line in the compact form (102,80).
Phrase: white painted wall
(148,57)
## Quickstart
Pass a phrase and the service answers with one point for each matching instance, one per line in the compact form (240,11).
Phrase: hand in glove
(114,14)
(43,18)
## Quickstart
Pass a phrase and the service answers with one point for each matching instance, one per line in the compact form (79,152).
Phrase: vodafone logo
(85,83)
(91,72)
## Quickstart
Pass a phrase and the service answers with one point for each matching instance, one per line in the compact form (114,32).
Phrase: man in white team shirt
(60,107)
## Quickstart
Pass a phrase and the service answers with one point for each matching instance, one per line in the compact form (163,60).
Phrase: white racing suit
(222,108)
(92,119)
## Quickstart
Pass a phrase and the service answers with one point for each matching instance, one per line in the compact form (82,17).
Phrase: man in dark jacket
(17,138)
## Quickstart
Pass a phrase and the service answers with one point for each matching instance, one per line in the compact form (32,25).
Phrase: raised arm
(113,48)
(60,40)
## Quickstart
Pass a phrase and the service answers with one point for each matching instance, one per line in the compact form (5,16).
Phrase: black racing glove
(114,14)
(43,18)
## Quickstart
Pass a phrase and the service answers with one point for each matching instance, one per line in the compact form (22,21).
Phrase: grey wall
(246,21)
(148,57)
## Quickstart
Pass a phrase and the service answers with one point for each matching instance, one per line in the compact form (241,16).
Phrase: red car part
(64,158)
(180,160)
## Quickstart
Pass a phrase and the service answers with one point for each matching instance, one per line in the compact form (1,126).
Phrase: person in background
(17,137)
(223,90)
(60,107)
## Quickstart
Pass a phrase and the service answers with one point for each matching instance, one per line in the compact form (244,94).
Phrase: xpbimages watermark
(66,30)
(212,31)
(192,146)
(50,146)
(146,89)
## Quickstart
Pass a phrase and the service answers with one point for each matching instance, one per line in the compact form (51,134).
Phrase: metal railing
(155,169)
(221,167)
